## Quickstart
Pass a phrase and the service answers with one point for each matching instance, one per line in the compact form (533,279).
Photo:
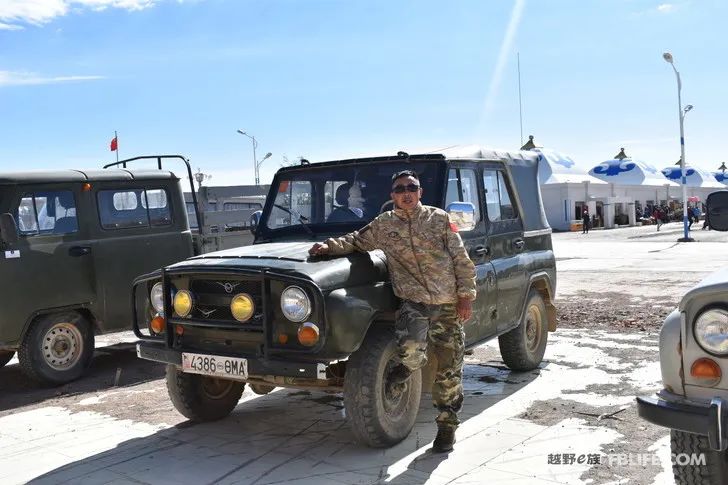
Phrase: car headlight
(242,307)
(156,297)
(711,331)
(295,304)
(183,303)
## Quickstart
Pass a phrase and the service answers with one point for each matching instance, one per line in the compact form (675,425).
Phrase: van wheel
(523,347)
(57,348)
(5,356)
(381,413)
(709,467)
(202,398)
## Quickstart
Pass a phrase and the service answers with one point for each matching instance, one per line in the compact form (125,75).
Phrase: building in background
(615,192)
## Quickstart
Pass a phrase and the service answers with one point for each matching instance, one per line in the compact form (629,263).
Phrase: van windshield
(343,195)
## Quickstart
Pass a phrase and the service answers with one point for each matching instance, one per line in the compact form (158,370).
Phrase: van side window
(47,212)
(497,197)
(125,208)
(462,186)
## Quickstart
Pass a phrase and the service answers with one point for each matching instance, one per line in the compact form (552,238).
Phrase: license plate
(215,365)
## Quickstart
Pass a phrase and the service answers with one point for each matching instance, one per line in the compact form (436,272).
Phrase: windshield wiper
(301,218)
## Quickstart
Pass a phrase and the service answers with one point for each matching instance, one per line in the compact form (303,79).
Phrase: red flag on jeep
(114,145)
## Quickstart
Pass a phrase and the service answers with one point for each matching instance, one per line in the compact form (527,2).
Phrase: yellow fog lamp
(242,307)
(183,303)
(308,334)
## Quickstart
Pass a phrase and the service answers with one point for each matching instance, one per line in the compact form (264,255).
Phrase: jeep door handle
(481,250)
(78,251)
(519,244)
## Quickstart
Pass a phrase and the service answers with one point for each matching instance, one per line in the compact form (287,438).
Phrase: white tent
(721,177)
(630,172)
(694,177)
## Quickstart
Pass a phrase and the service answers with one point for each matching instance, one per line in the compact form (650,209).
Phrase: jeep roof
(92,175)
(519,163)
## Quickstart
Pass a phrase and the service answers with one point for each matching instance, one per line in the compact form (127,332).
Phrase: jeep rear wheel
(381,413)
(202,398)
(523,347)
(694,463)
(57,348)
(5,356)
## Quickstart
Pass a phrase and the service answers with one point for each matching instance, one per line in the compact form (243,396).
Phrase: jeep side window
(462,186)
(51,212)
(497,197)
(125,208)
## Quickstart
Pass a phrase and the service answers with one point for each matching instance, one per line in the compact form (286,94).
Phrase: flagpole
(116,137)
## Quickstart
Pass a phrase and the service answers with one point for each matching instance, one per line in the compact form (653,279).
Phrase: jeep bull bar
(671,411)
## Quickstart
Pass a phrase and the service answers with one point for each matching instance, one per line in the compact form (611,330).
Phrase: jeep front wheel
(57,348)
(381,413)
(523,347)
(5,356)
(694,463)
(202,398)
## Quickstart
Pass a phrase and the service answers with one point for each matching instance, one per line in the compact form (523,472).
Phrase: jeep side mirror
(8,229)
(462,214)
(254,219)
(717,214)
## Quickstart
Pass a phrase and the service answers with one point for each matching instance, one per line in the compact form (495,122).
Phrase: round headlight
(156,296)
(295,304)
(242,307)
(183,303)
(711,331)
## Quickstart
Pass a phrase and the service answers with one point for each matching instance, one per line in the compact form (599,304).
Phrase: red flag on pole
(114,145)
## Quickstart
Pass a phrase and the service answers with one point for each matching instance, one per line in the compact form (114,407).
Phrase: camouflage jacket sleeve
(463,265)
(362,240)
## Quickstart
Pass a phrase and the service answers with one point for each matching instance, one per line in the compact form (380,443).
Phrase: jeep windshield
(340,197)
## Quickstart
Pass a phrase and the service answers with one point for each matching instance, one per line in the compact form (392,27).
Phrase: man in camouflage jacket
(435,279)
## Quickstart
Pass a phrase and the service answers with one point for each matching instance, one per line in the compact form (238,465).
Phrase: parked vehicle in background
(269,315)
(73,241)
(226,221)
(693,360)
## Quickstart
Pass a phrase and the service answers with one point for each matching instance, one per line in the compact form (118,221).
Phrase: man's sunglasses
(401,189)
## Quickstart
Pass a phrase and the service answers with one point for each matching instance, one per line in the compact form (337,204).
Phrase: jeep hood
(291,258)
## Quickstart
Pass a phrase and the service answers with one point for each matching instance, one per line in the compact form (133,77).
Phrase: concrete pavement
(517,428)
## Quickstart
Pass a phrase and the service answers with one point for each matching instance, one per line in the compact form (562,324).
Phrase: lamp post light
(682,112)
(256,163)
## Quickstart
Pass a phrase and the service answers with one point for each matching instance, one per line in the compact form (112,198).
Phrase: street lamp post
(686,238)
(256,163)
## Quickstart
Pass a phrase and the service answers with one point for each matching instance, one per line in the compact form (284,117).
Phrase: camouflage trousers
(419,325)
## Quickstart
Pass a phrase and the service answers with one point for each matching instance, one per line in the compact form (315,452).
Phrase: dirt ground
(613,311)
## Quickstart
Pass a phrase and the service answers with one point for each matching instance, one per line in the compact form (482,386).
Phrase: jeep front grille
(213,296)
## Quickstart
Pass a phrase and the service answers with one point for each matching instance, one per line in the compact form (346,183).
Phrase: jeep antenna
(520,105)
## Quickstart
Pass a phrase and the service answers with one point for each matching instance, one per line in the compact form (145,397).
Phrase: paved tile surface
(294,437)
(511,422)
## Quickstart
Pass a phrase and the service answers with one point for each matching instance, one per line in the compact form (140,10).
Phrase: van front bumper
(703,418)
(158,352)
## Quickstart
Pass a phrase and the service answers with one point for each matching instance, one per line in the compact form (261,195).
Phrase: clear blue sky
(340,78)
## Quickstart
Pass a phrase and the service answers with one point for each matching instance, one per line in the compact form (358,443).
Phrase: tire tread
(715,470)
(511,344)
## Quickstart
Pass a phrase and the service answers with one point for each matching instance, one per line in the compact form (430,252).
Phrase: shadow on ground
(292,436)
(16,390)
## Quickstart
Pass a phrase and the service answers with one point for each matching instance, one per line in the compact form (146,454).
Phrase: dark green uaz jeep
(269,315)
